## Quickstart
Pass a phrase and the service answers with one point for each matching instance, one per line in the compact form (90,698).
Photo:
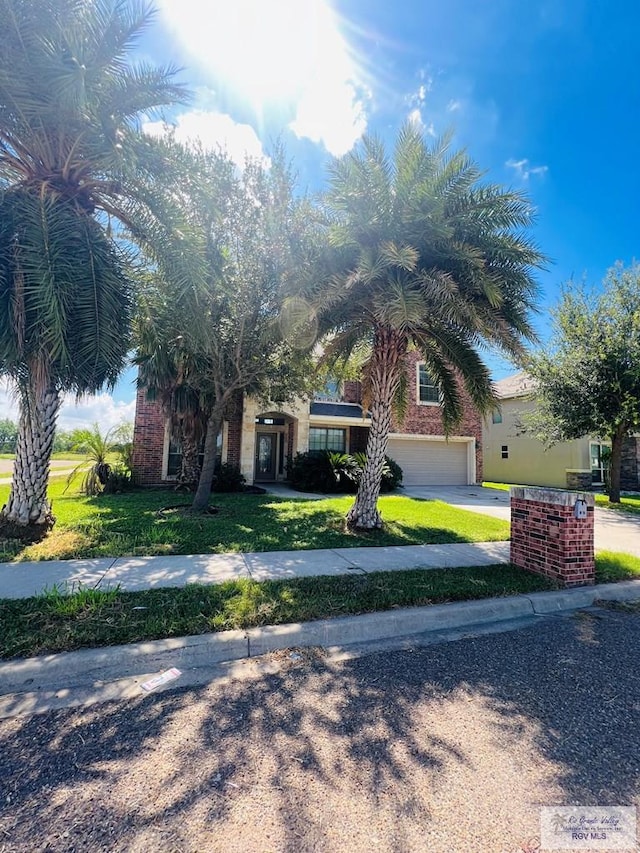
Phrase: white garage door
(430,463)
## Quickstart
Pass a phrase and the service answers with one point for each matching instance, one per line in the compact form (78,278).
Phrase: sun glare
(281,56)
(267,51)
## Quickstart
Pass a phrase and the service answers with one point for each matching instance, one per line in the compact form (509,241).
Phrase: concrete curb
(72,670)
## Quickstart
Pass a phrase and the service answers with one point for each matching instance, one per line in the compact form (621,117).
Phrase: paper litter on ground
(163,678)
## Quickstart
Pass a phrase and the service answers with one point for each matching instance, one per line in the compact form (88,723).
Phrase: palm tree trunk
(214,425)
(617,440)
(27,513)
(190,467)
(387,365)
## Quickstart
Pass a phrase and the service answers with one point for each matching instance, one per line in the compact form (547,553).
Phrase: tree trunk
(190,467)
(389,351)
(201,499)
(617,440)
(27,514)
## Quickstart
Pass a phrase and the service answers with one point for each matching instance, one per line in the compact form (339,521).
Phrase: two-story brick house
(259,439)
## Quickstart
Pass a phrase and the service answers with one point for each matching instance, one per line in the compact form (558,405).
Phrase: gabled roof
(518,385)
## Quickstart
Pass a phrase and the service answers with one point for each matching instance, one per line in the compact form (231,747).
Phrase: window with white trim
(598,463)
(174,455)
(428,389)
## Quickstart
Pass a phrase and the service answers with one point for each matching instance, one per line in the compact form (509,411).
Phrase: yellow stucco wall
(528,463)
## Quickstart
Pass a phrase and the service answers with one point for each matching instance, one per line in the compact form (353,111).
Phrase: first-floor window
(598,452)
(174,456)
(505,451)
(327,438)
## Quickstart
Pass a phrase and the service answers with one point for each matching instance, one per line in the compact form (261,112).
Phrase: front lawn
(135,524)
(630,504)
(54,622)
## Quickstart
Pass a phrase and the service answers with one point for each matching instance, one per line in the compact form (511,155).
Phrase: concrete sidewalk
(21,580)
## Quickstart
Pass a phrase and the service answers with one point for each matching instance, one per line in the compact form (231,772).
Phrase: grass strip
(612,566)
(56,622)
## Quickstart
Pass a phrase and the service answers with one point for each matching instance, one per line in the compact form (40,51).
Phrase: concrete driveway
(614,531)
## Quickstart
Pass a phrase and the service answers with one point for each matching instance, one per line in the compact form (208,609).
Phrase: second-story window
(428,389)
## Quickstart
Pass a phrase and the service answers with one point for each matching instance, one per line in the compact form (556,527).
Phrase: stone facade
(580,480)
(630,473)
(548,539)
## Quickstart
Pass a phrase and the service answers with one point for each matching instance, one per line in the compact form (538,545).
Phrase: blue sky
(545,95)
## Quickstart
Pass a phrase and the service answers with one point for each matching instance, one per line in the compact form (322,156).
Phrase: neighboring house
(512,456)
(259,439)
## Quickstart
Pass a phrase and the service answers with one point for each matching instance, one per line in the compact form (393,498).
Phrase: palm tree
(72,160)
(422,255)
(165,370)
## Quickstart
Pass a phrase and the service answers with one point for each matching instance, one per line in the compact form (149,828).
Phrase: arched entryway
(274,445)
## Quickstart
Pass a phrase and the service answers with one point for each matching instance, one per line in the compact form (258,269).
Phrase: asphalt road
(451,747)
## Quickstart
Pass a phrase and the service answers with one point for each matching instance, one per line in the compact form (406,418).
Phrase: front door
(266,443)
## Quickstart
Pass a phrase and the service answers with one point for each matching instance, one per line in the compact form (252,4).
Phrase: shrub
(334,473)
(228,478)
(118,480)
(312,472)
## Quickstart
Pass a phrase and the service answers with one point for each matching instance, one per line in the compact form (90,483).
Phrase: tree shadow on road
(395,751)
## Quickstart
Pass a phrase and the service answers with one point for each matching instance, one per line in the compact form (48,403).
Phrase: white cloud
(283,54)
(454,105)
(415,117)
(101,409)
(213,129)
(524,170)
(332,114)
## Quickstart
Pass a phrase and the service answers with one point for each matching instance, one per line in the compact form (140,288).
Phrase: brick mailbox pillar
(549,536)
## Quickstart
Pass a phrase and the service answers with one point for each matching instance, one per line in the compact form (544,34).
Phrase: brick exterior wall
(148,441)
(149,432)
(149,437)
(547,538)
(630,472)
(234,432)
(427,420)
(422,419)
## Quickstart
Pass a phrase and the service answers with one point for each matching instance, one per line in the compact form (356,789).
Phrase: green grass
(612,566)
(630,504)
(87,618)
(54,622)
(133,524)
(502,486)
(61,454)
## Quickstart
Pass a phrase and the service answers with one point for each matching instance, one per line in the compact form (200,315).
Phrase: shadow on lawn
(401,750)
(132,524)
